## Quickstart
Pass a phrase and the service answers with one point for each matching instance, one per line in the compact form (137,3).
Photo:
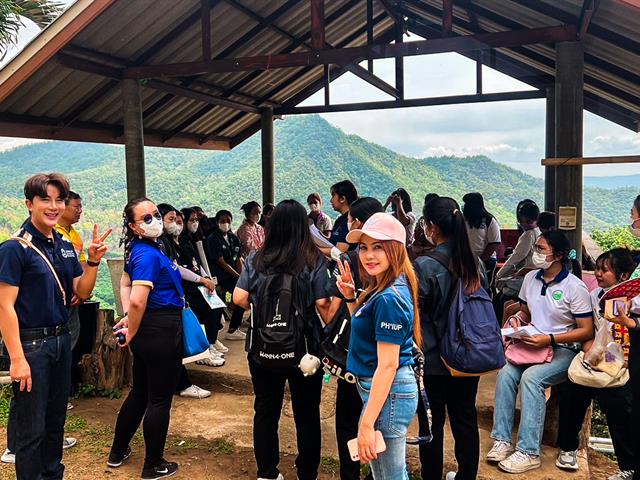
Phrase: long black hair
(247,207)
(406,199)
(619,261)
(445,213)
(364,207)
(636,203)
(128,218)
(165,208)
(559,244)
(475,211)
(288,247)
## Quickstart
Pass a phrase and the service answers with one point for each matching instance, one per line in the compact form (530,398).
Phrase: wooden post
(550,151)
(133,139)
(370,32)
(317,24)
(268,157)
(400,62)
(568,132)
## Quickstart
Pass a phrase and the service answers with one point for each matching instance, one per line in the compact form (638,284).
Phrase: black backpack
(277,339)
(335,346)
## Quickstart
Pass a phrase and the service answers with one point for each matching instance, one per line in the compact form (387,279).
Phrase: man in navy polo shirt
(34,310)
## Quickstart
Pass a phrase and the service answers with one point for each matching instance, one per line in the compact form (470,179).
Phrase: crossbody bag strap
(30,245)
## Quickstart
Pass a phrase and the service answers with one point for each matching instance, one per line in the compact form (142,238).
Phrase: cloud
(488,150)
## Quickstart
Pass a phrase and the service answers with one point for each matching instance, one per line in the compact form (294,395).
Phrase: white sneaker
(237,335)
(211,361)
(8,457)
(520,462)
(219,346)
(451,476)
(280,477)
(500,451)
(68,442)
(215,352)
(567,460)
(195,391)
(622,475)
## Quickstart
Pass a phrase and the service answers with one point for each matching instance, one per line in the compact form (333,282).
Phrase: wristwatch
(553,340)
(93,264)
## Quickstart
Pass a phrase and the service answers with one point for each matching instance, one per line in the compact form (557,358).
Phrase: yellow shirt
(74,237)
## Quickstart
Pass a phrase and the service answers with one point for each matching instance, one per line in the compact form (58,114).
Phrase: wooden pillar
(550,151)
(568,132)
(268,157)
(133,139)
(400,62)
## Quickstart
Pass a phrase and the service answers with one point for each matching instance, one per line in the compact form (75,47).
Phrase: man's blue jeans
(394,420)
(533,380)
(38,416)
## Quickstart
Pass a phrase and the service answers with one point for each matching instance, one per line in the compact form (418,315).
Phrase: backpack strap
(439,257)
(30,245)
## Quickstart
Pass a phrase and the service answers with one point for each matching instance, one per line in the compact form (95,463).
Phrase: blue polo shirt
(148,265)
(387,317)
(340,229)
(39,303)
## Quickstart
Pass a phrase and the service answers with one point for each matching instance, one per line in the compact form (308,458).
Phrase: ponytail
(445,213)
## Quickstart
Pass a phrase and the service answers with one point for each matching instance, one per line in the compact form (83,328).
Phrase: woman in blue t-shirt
(384,323)
(152,295)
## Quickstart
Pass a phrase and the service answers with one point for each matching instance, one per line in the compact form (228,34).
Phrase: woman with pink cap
(384,324)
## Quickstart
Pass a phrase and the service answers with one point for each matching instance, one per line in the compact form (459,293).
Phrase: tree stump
(108,367)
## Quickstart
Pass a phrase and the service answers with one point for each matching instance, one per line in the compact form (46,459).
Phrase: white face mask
(153,229)
(224,227)
(179,229)
(254,218)
(635,231)
(539,260)
(171,227)
(193,226)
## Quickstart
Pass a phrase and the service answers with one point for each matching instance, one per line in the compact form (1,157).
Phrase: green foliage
(86,390)
(222,445)
(615,237)
(6,392)
(74,423)
(13,12)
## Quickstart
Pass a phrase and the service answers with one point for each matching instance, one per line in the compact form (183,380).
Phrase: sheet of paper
(212,299)
(318,238)
(526,331)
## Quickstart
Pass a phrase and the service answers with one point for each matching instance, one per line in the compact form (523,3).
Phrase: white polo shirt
(480,237)
(554,306)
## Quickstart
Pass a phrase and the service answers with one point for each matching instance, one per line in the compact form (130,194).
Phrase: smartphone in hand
(352,445)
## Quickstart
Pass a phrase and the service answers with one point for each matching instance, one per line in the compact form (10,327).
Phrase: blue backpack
(472,343)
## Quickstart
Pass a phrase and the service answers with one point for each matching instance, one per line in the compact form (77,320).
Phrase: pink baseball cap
(380,226)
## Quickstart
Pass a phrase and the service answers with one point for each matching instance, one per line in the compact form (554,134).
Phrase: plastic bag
(605,354)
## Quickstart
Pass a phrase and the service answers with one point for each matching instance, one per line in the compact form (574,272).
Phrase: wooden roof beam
(586,14)
(447,18)
(571,161)
(342,55)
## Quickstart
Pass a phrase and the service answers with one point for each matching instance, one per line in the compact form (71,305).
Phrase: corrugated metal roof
(64,102)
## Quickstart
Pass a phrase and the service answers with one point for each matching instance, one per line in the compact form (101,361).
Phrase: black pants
(634,371)
(228,285)
(348,410)
(157,358)
(616,404)
(458,396)
(305,399)
(206,316)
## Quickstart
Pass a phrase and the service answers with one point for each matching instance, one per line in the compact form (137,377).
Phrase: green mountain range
(311,155)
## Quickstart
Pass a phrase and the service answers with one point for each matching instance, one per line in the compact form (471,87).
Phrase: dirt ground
(211,438)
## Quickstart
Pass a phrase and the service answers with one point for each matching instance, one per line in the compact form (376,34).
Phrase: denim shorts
(401,404)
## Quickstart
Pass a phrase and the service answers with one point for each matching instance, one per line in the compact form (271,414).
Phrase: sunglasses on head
(148,218)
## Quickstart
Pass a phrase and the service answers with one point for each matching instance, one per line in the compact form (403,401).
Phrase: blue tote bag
(195,343)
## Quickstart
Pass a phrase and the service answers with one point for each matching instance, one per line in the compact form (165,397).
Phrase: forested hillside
(310,156)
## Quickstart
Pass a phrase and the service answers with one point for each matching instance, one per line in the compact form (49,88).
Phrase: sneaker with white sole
(211,361)
(520,462)
(116,459)
(450,476)
(69,442)
(567,460)
(280,477)
(215,352)
(8,457)
(195,391)
(622,475)
(500,451)
(219,346)
(235,335)
(165,469)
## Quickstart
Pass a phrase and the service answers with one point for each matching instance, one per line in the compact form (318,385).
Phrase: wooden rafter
(571,161)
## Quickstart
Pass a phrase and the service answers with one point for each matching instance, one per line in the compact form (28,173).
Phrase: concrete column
(268,157)
(133,139)
(550,151)
(568,132)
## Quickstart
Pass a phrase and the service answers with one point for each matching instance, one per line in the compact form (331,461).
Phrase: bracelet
(93,264)
(350,300)
(553,340)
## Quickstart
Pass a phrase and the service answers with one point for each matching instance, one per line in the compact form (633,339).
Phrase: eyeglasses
(148,218)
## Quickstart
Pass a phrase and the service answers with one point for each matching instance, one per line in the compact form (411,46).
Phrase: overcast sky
(508,132)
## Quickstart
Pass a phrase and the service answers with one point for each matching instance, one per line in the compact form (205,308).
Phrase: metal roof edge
(57,35)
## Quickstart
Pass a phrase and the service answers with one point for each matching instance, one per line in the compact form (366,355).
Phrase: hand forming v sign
(344,281)
(98,248)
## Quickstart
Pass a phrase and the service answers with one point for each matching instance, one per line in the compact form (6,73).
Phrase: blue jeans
(533,381)
(38,417)
(394,420)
